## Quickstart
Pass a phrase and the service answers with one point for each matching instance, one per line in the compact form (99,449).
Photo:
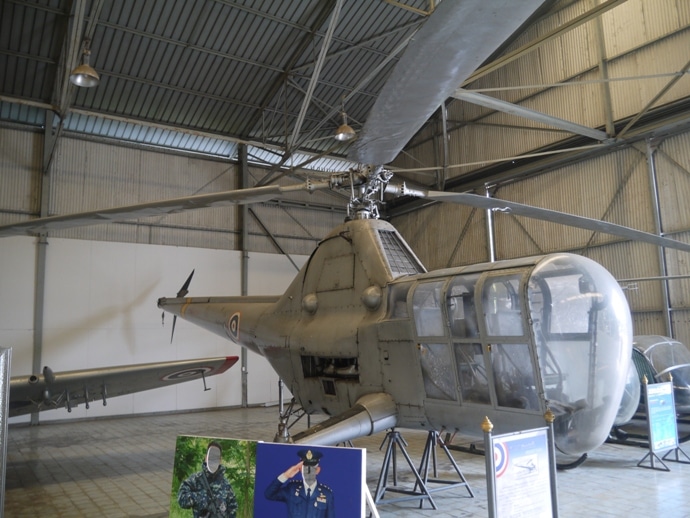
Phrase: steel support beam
(317,71)
(520,111)
(243,217)
(49,144)
(654,100)
(5,361)
(272,238)
(654,188)
(604,74)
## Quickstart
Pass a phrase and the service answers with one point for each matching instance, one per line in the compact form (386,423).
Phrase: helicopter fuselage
(506,340)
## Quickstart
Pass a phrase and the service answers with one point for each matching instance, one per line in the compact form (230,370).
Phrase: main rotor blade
(456,39)
(156,208)
(518,209)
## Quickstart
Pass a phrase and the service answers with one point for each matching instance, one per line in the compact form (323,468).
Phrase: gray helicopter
(366,335)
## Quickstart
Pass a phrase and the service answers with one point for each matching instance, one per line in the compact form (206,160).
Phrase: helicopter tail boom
(222,315)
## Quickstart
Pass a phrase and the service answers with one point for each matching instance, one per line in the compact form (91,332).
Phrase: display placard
(522,473)
(661,412)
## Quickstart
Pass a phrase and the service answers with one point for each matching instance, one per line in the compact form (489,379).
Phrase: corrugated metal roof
(238,69)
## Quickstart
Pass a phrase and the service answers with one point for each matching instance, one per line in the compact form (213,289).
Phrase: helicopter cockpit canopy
(524,336)
(582,327)
(670,360)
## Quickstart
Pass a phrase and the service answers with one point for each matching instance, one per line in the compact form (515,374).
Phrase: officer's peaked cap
(310,457)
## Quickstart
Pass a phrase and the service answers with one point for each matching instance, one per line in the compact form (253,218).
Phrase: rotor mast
(367,186)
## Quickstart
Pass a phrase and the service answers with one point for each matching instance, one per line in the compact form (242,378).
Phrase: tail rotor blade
(173,328)
(185,287)
(183,291)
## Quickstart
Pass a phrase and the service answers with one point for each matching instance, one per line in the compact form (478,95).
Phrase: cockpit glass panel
(671,361)
(437,371)
(462,316)
(569,318)
(582,331)
(502,306)
(426,306)
(514,376)
(474,384)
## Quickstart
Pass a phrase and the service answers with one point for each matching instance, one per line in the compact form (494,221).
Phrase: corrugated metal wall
(20,167)
(88,175)
(445,235)
(672,161)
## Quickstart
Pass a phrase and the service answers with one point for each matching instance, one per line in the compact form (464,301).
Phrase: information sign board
(661,412)
(523,474)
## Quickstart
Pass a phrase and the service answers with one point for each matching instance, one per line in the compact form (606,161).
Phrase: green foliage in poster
(239,459)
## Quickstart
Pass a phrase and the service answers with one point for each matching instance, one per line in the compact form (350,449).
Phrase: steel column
(244,238)
(49,143)
(491,238)
(5,362)
(654,187)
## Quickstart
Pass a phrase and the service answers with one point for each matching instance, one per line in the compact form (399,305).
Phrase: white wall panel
(17,259)
(91,175)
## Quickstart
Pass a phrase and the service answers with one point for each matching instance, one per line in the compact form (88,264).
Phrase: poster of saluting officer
(300,481)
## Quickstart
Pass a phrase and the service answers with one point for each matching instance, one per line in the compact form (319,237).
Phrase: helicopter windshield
(583,333)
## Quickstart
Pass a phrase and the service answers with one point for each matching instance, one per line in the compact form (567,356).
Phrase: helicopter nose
(572,426)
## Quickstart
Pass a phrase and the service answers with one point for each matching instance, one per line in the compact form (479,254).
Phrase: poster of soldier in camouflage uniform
(213,478)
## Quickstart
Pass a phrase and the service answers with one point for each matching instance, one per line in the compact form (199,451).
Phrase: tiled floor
(123,467)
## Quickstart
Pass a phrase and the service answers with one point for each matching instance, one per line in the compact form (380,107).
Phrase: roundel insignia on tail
(232,328)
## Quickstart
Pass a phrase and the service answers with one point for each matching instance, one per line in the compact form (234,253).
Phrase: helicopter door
(512,367)
(434,350)
(467,347)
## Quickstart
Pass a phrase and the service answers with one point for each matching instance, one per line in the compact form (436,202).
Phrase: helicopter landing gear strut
(284,416)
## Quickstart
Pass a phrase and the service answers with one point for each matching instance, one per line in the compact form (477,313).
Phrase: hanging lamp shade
(85,75)
(344,131)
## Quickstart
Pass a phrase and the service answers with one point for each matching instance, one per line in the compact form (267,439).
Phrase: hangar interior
(585,109)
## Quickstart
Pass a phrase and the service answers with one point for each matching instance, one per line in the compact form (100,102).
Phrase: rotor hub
(367,187)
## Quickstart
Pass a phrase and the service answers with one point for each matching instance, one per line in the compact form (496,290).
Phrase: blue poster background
(342,469)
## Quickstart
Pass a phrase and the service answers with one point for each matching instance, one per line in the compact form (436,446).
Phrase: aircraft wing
(67,389)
